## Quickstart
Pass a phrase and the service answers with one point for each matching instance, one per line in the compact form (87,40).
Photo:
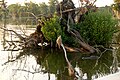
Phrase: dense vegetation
(52,29)
(116,6)
(98,27)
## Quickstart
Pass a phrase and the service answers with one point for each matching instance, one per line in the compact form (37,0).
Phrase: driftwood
(29,41)
(71,70)
(19,35)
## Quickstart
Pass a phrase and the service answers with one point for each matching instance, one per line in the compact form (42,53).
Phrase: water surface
(17,63)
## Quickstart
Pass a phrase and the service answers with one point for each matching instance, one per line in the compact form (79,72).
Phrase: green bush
(97,27)
(52,29)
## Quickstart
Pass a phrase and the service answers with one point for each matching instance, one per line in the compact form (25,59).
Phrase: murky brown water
(49,64)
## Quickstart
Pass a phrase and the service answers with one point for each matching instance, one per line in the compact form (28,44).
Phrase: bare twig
(20,37)
(105,49)
(29,71)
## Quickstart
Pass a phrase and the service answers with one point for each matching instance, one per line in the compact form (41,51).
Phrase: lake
(17,63)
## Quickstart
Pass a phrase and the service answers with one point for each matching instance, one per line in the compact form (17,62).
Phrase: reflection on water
(49,64)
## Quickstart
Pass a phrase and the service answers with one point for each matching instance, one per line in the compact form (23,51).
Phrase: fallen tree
(69,16)
(50,27)
(66,11)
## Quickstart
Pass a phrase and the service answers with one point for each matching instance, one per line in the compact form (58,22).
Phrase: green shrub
(52,29)
(97,28)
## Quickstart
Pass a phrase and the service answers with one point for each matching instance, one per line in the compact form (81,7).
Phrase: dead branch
(114,68)
(28,71)
(19,36)
(101,53)
(8,62)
